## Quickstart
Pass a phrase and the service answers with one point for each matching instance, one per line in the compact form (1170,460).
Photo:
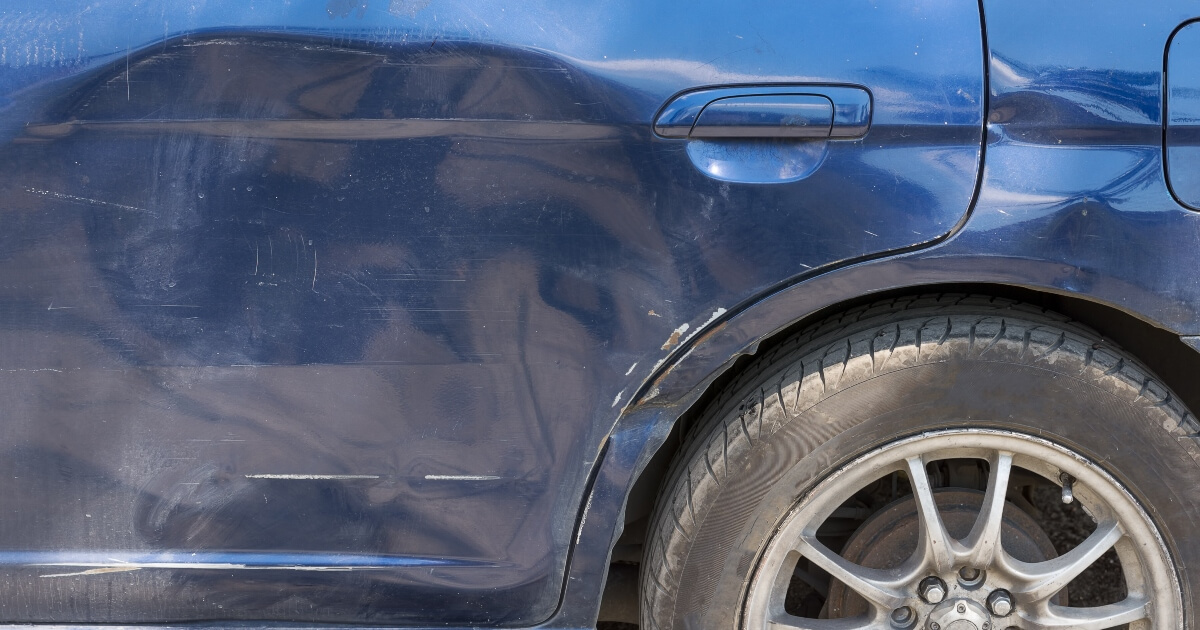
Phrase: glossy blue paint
(374,280)
(1183,115)
(1074,200)
(757,161)
(347,285)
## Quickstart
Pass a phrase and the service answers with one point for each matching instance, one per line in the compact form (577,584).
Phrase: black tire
(889,370)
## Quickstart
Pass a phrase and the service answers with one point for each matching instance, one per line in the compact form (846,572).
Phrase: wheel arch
(1160,349)
(648,433)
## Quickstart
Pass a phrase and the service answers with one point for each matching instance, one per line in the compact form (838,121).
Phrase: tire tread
(985,328)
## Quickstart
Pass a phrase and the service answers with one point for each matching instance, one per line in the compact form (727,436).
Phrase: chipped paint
(712,318)
(651,313)
(631,368)
(461,477)
(705,337)
(617,400)
(675,336)
(707,333)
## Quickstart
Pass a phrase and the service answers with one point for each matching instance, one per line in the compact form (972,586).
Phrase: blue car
(768,315)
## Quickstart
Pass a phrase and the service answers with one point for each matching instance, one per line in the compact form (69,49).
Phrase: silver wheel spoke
(934,542)
(784,621)
(984,539)
(1041,580)
(1096,618)
(879,587)
(973,579)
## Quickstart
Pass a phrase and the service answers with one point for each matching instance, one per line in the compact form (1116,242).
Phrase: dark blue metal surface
(345,297)
(412,291)
(1182,139)
(1074,200)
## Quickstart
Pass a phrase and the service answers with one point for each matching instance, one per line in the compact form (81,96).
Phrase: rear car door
(321,312)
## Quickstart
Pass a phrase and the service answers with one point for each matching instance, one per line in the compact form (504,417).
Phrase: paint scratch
(461,477)
(32,370)
(87,200)
(308,477)
(674,338)
(583,517)
(95,571)
(203,566)
(714,317)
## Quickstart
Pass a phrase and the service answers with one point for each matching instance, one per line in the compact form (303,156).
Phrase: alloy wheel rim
(1009,593)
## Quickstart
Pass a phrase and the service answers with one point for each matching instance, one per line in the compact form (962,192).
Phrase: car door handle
(765,116)
(778,111)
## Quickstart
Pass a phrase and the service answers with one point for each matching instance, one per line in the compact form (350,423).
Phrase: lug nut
(902,616)
(932,590)
(1000,603)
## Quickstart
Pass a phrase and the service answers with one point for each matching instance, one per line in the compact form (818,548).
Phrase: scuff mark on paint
(310,477)
(95,572)
(675,336)
(716,314)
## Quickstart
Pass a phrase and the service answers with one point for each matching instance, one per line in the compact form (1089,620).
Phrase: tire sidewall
(1132,440)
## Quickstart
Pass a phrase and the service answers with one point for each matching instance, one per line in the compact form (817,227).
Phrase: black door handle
(778,111)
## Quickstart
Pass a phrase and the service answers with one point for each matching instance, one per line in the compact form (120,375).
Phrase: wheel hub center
(959,614)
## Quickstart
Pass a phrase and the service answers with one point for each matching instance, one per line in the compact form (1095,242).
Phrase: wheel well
(1160,350)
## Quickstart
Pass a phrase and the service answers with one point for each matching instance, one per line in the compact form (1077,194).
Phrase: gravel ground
(1067,526)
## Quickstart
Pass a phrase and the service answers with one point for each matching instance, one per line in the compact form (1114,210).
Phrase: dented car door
(321,311)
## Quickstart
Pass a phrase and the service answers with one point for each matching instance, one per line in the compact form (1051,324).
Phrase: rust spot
(654,385)
(653,314)
(672,340)
(662,377)
(708,335)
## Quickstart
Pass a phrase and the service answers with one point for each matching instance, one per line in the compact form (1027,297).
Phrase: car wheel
(890,468)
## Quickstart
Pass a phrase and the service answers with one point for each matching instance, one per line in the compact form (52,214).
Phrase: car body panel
(325,311)
(1073,200)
